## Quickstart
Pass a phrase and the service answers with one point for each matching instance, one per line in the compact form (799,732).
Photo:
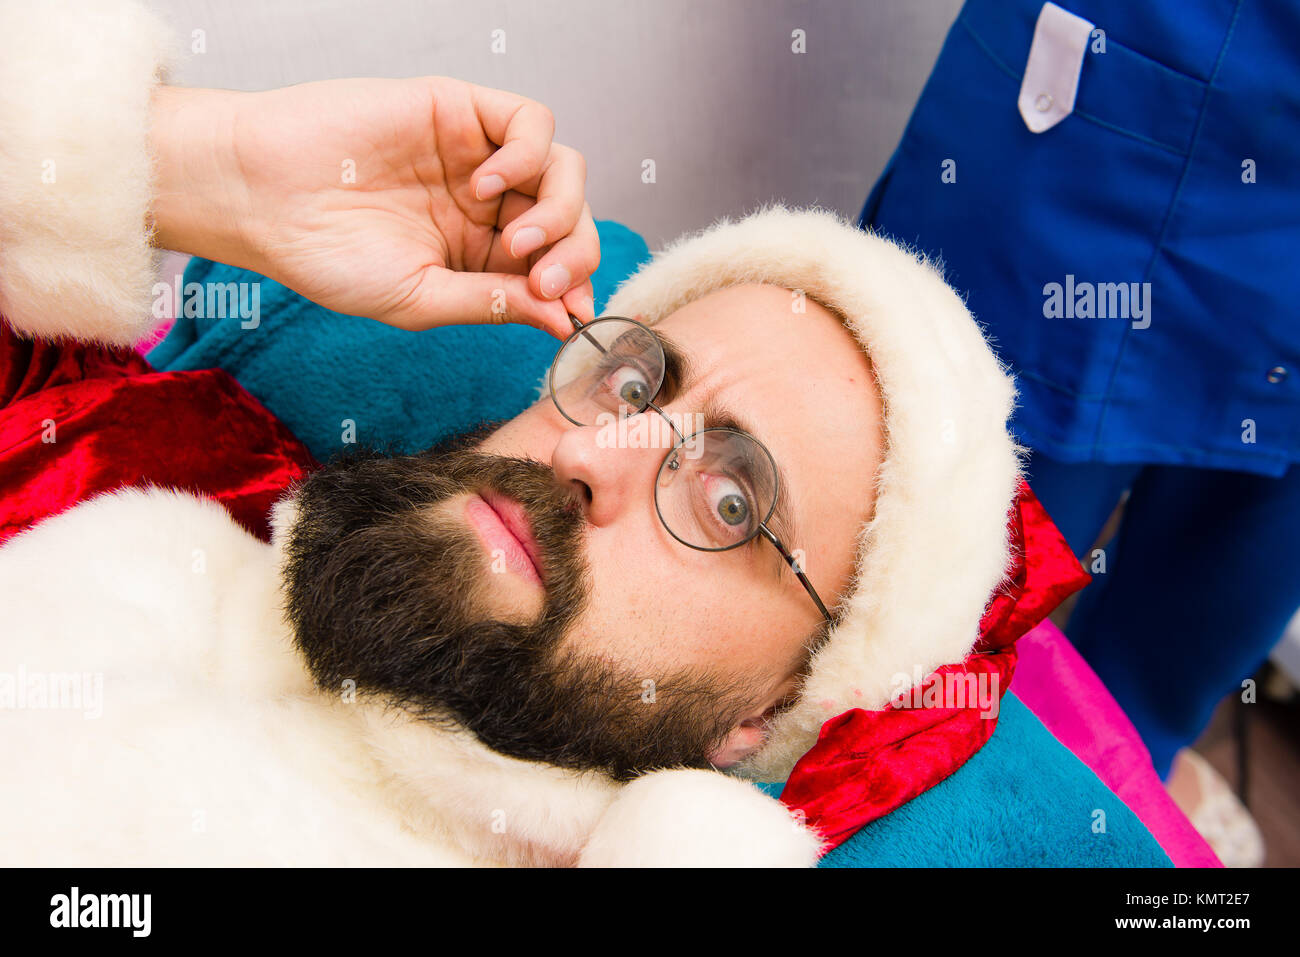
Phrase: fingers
(580,301)
(569,263)
(557,228)
(524,129)
(559,206)
(555,269)
(444,298)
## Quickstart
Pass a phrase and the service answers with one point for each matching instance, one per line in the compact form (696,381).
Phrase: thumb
(447,298)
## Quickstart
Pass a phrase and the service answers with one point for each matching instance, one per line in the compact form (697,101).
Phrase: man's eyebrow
(678,378)
(678,371)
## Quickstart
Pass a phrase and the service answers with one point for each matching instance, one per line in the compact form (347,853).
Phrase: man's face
(555,586)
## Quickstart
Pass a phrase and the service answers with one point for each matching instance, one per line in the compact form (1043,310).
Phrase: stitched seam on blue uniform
(1164,226)
(1129,133)
(1019,78)
(1204,450)
(1111,41)
(1057,387)
(997,61)
(1182,455)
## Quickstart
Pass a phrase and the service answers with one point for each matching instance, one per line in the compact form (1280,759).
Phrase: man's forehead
(746,355)
(762,353)
(753,302)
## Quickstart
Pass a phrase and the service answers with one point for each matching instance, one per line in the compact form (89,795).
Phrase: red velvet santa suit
(196,735)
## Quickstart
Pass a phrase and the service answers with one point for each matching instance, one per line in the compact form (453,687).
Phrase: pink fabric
(1057,685)
(155,337)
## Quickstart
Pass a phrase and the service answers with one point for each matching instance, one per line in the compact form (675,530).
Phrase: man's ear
(750,732)
(742,741)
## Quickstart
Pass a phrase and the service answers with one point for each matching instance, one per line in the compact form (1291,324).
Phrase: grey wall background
(708,89)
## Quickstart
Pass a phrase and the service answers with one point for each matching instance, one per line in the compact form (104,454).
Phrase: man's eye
(728,504)
(627,384)
(733,508)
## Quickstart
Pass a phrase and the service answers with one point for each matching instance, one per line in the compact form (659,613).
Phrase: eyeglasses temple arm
(578,326)
(794,567)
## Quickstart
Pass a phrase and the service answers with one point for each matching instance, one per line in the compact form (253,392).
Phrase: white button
(1043,103)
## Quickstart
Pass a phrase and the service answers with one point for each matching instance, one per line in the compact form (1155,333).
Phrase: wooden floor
(1273,769)
(1272,745)
(1273,763)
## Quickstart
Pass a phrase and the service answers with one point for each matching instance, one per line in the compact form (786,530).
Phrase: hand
(380,198)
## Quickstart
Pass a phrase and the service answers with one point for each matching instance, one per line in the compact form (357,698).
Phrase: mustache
(363,484)
(529,482)
(555,514)
(386,585)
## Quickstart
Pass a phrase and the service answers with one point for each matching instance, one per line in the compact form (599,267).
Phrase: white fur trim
(194,736)
(197,736)
(936,547)
(686,818)
(76,77)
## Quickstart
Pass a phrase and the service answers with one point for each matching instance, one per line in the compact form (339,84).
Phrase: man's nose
(607,475)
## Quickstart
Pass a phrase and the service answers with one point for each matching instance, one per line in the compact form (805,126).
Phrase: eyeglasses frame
(762,529)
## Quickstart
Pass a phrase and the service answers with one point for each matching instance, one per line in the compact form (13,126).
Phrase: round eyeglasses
(717,487)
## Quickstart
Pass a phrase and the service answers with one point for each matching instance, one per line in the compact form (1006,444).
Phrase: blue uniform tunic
(1136,266)
(1142,183)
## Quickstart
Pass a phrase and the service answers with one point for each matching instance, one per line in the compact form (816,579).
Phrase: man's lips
(502,525)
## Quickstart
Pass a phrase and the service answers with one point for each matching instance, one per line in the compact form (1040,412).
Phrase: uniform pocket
(1118,88)
(1011,214)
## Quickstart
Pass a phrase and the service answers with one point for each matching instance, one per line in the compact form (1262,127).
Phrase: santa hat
(946,529)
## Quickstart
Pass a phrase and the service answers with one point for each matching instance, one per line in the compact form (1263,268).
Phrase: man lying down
(486,642)
(653,566)
(775,477)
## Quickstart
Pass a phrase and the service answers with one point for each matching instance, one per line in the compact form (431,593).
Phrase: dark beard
(382,593)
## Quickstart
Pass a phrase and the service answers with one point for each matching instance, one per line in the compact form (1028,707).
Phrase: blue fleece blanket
(325,374)
(1023,800)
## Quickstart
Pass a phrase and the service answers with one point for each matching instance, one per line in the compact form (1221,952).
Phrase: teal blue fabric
(1022,800)
(331,377)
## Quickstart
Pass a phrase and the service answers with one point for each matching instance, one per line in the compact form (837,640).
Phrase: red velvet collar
(867,763)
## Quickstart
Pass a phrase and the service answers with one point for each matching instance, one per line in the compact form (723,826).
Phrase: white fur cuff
(689,818)
(76,77)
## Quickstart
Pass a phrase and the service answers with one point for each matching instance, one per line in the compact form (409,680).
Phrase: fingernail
(555,280)
(526,240)
(490,186)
